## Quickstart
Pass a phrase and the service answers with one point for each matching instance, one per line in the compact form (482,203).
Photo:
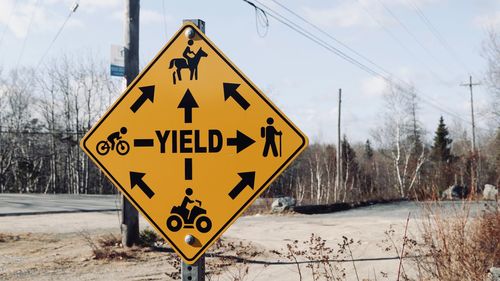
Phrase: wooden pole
(130,216)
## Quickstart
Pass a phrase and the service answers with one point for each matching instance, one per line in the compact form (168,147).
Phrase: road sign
(117,61)
(192,143)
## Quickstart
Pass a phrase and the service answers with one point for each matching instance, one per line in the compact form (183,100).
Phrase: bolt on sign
(192,143)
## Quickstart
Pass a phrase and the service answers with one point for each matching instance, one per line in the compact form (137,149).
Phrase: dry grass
(461,247)
(107,247)
(5,237)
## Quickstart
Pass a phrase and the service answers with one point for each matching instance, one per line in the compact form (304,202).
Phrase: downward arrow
(148,93)
(136,179)
(247,179)
(241,141)
(230,90)
(188,103)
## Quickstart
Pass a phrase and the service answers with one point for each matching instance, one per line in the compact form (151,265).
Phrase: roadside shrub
(462,247)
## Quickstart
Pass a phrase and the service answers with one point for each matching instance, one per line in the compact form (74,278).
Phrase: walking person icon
(270,133)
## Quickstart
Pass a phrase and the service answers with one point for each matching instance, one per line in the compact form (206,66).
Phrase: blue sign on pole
(117,66)
(117,70)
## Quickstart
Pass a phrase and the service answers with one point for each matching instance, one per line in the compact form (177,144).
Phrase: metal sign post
(196,271)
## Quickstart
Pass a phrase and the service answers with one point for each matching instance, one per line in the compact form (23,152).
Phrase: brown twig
(403,248)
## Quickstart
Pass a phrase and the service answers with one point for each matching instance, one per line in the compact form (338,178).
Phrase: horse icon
(188,62)
(181,216)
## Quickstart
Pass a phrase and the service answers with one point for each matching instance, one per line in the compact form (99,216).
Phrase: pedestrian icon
(181,216)
(189,60)
(122,146)
(270,133)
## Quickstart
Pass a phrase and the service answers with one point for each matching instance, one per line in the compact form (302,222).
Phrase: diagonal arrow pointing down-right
(247,179)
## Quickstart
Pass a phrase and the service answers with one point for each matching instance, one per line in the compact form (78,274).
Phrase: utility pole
(339,150)
(474,174)
(196,271)
(130,216)
(471,85)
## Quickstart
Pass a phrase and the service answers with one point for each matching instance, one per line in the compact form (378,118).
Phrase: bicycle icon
(121,147)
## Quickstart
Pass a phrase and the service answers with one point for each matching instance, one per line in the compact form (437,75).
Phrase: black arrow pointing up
(148,93)
(136,179)
(241,141)
(230,90)
(188,103)
(247,179)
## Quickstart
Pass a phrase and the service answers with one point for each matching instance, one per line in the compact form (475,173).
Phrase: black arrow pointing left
(148,93)
(136,179)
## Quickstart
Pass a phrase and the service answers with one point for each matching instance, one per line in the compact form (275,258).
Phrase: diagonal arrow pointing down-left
(136,179)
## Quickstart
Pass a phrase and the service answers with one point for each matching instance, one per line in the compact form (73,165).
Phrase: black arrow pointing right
(148,93)
(136,179)
(247,179)
(241,141)
(188,103)
(230,90)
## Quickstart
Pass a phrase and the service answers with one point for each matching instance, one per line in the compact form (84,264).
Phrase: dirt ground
(57,247)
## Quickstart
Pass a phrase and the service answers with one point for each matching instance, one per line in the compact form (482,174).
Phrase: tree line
(44,114)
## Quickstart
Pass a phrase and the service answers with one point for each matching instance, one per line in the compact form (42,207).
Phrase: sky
(301,77)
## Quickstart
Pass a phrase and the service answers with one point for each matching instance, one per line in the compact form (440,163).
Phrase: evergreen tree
(441,149)
(368,150)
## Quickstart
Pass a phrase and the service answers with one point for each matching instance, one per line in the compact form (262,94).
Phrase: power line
(277,16)
(72,11)
(390,76)
(412,35)
(440,38)
(8,22)
(315,39)
(402,45)
(27,33)
(331,37)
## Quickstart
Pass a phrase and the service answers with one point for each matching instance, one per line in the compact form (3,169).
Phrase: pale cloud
(361,13)
(488,20)
(16,17)
(152,17)
(373,86)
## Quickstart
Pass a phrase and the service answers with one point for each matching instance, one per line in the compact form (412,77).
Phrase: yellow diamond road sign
(192,143)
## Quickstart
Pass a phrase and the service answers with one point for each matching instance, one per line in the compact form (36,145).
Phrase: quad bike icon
(181,216)
(122,147)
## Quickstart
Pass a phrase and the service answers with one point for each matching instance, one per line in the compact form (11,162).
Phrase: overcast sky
(300,76)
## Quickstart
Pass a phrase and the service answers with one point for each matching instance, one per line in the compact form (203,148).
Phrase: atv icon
(181,216)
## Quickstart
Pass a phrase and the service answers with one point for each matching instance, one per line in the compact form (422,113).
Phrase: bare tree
(396,138)
(492,54)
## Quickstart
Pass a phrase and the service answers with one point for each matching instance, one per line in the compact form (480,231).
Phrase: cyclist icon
(122,146)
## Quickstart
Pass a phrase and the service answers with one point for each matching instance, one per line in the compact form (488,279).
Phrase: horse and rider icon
(114,142)
(189,60)
(269,133)
(182,216)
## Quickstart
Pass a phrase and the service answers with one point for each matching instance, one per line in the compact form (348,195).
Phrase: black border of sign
(258,191)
